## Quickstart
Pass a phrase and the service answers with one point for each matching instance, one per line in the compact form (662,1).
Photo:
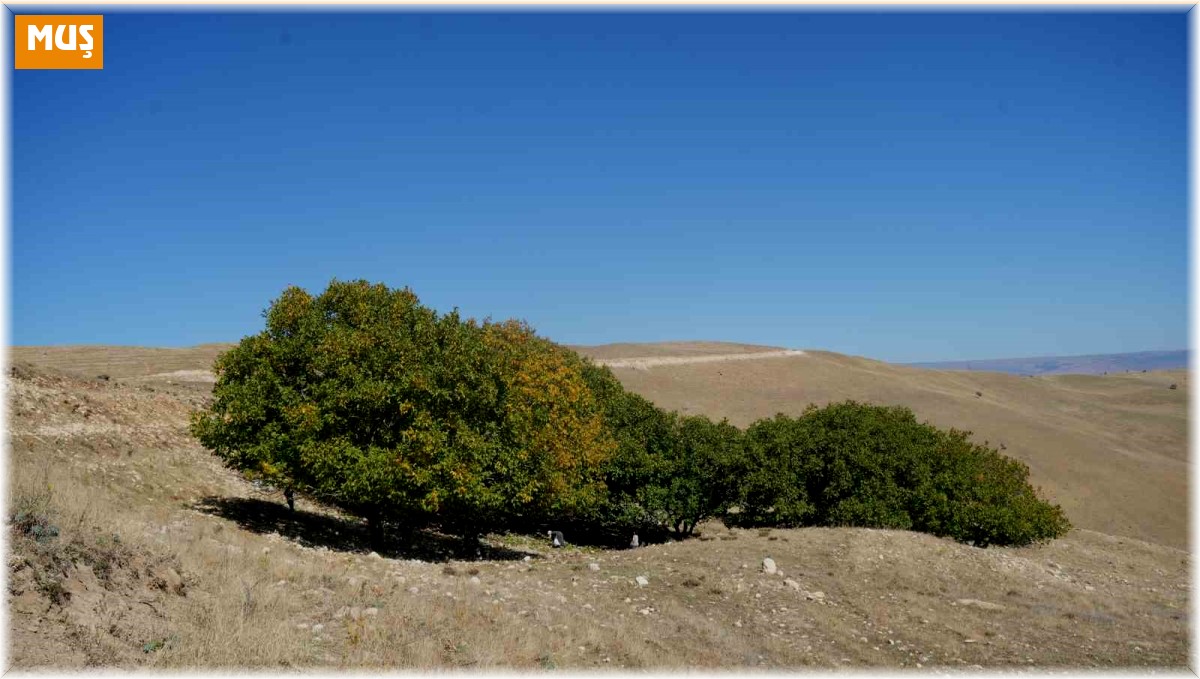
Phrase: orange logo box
(59,41)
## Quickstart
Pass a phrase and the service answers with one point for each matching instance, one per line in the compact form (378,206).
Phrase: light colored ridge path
(644,362)
(186,376)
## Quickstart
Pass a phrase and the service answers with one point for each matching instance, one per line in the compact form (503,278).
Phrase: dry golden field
(164,559)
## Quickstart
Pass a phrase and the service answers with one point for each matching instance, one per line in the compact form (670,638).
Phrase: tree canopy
(365,399)
(853,464)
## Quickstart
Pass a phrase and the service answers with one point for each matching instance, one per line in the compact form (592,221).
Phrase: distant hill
(1093,364)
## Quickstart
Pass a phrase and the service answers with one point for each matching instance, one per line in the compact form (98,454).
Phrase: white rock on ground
(768,566)
(642,581)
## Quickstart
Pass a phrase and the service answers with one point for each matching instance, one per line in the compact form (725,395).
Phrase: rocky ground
(133,547)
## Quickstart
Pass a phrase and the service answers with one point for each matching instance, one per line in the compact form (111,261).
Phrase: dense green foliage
(670,472)
(851,464)
(362,398)
(365,399)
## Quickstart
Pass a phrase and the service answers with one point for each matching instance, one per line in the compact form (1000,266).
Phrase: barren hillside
(161,558)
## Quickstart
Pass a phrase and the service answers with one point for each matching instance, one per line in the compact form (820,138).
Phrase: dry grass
(255,581)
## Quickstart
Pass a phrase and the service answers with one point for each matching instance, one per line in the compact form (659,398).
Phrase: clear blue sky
(902,186)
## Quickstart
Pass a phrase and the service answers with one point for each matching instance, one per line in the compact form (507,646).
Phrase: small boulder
(593,566)
(792,583)
(642,581)
(768,566)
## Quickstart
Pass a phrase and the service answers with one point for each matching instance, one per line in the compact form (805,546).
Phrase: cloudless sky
(904,186)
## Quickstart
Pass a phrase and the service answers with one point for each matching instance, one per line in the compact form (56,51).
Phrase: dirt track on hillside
(645,362)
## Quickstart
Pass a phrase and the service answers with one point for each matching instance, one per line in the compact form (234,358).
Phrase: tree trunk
(375,530)
(470,544)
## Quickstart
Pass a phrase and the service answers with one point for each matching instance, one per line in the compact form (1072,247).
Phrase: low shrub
(852,464)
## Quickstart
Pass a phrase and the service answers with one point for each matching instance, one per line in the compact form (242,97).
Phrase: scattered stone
(768,566)
(792,583)
(814,596)
(317,628)
(527,558)
(474,580)
(593,566)
(985,605)
(642,581)
(372,611)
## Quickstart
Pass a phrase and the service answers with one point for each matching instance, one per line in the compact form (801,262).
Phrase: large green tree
(365,399)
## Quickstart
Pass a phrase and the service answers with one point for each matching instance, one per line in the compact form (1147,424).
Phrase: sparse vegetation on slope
(271,589)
